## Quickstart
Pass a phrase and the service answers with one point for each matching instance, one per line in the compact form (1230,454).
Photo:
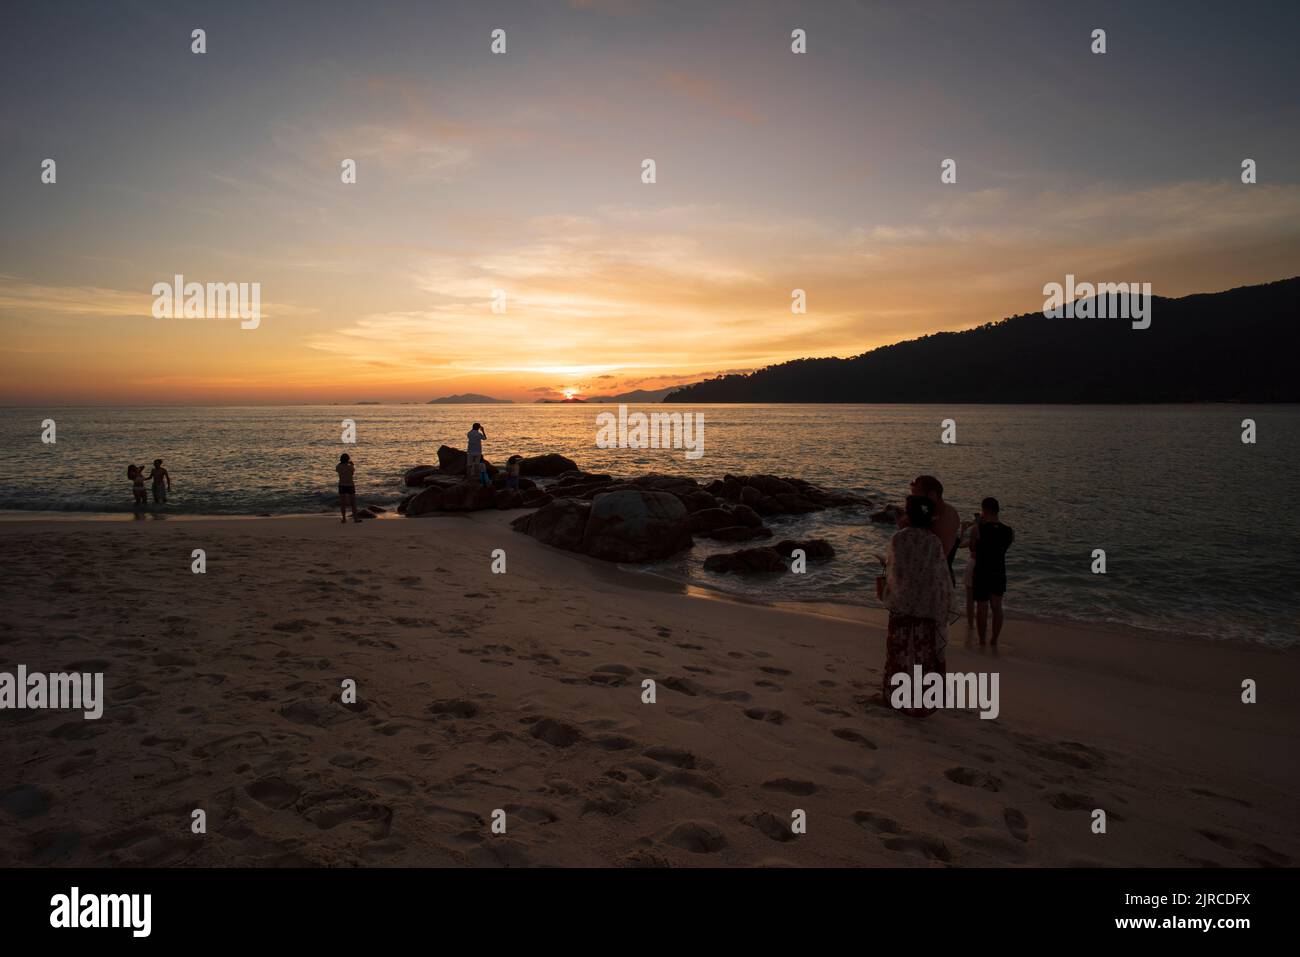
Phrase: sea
(1201,531)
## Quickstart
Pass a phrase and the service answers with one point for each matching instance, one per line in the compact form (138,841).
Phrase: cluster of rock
(443,487)
(640,519)
(655,516)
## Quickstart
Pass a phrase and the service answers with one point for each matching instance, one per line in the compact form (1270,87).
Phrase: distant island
(469,398)
(636,395)
(1233,346)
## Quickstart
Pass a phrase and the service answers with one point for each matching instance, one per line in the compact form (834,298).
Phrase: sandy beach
(522,692)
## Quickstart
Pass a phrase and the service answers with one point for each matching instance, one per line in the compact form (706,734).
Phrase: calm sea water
(1200,530)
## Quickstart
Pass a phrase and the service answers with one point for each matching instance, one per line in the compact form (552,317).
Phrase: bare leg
(997,616)
(343,507)
(970,608)
(981,617)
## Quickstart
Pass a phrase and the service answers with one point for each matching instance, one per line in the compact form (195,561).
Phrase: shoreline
(656,580)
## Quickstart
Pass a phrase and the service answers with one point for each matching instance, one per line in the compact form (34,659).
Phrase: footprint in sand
(848,734)
(555,733)
(1074,754)
(973,779)
(274,792)
(1016,823)
(790,786)
(683,686)
(770,825)
(25,801)
(690,781)
(954,813)
(673,756)
(770,715)
(877,822)
(1074,801)
(698,837)
(454,707)
(1202,792)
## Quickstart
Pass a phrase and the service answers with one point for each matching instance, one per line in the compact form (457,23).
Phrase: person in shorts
(990,540)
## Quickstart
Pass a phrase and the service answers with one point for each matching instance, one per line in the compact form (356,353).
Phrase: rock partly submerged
(640,519)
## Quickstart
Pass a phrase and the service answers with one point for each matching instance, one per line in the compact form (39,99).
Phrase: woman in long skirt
(918,593)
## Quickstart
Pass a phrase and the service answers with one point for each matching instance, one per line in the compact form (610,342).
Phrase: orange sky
(522,173)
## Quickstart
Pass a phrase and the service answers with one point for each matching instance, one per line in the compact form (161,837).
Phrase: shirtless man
(946,523)
(162,482)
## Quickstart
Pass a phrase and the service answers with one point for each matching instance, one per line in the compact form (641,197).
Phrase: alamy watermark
(955,689)
(1113,300)
(57,690)
(215,300)
(658,430)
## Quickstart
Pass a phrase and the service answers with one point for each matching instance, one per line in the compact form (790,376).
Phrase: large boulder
(465,497)
(548,465)
(560,523)
(414,478)
(453,461)
(422,503)
(636,526)
(812,548)
(746,561)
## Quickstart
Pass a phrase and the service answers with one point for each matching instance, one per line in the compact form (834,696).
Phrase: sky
(522,172)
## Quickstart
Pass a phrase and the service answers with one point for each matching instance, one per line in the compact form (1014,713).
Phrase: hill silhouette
(1237,345)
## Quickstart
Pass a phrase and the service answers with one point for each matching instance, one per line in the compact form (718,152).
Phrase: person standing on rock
(474,452)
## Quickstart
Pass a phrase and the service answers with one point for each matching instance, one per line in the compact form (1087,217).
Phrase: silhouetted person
(474,451)
(162,482)
(347,488)
(989,545)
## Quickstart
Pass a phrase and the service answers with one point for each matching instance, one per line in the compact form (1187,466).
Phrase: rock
(560,523)
(793,503)
(376,509)
(812,548)
(744,515)
(636,526)
(579,477)
(422,503)
(453,461)
(509,498)
(889,513)
(698,500)
(749,495)
(710,518)
(737,533)
(465,497)
(550,464)
(746,561)
(536,498)
(414,478)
